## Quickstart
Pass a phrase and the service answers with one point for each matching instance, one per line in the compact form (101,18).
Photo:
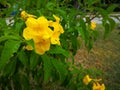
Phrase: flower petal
(86,80)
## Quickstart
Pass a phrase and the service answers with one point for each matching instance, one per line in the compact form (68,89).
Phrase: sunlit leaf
(59,50)
(9,49)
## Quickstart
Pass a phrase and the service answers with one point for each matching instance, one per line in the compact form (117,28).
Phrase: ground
(104,56)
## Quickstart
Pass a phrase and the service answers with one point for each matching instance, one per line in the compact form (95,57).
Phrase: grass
(104,56)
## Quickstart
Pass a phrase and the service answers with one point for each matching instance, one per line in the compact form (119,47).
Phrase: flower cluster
(42,31)
(96,84)
(93,25)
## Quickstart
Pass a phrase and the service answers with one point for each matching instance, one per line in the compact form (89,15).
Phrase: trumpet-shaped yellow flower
(57,30)
(86,80)
(97,86)
(42,46)
(39,30)
(93,25)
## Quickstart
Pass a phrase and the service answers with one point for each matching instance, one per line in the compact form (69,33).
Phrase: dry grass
(105,56)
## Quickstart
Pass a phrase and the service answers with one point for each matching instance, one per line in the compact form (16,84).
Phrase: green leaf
(9,49)
(39,3)
(95,34)
(1,48)
(83,24)
(50,5)
(107,30)
(59,50)
(111,8)
(61,12)
(10,67)
(81,31)
(60,68)
(22,56)
(102,12)
(112,23)
(30,42)
(73,39)
(3,38)
(34,60)
(84,33)
(91,2)
(90,44)
(18,26)
(47,67)
(25,82)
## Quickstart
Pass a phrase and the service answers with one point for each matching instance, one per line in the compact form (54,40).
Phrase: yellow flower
(86,80)
(38,30)
(57,30)
(55,38)
(28,47)
(42,31)
(93,25)
(97,86)
(25,15)
(42,47)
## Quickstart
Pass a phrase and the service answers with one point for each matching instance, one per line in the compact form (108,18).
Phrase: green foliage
(9,49)
(25,70)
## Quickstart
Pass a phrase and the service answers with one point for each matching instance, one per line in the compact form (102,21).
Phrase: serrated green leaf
(60,68)
(34,60)
(9,49)
(23,58)
(59,50)
(47,67)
